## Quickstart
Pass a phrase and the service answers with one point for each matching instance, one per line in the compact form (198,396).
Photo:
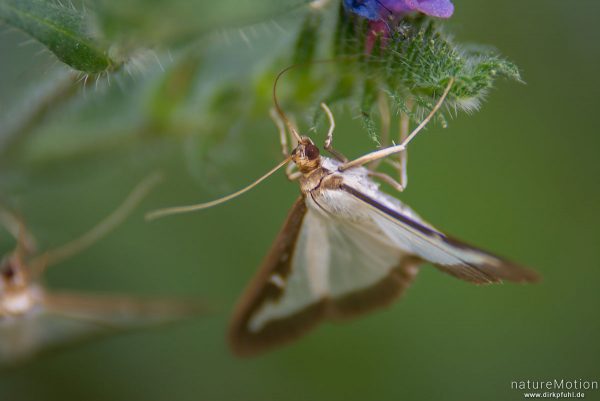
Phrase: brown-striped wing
(319,267)
(444,252)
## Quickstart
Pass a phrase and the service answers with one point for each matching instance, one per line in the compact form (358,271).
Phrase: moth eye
(311,152)
(8,272)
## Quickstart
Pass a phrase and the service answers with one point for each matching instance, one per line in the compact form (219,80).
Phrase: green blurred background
(520,177)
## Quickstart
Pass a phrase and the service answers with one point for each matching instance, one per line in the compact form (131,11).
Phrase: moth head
(17,296)
(12,274)
(306,156)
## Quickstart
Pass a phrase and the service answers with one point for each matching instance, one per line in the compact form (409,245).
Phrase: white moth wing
(403,228)
(448,254)
(320,266)
(345,206)
(358,256)
(334,257)
(359,260)
(337,269)
(347,248)
(66,318)
(24,337)
(307,281)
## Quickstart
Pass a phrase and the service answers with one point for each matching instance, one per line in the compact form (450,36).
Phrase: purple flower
(382,13)
(434,8)
(382,9)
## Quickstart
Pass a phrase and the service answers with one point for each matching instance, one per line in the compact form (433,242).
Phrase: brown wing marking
(277,332)
(500,269)
(278,261)
(380,294)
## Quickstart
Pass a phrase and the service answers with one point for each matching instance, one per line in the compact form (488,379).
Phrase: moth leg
(395,149)
(293,176)
(395,164)
(388,180)
(329,138)
(15,225)
(403,156)
(285,150)
(290,172)
(385,117)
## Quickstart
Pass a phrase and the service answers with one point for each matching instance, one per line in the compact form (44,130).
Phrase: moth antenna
(192,208)
(288,123)
(23,248)
(61,253)
(15,225)
(290,126)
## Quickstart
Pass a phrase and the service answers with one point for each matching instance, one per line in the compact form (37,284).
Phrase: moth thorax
(306,156)
(19,302)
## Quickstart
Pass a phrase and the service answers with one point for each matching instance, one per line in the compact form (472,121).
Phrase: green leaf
(39,99)
(176,22)
(202,91)
(207,91)
(418,61)
(412,65)
(62,30)
(421,59)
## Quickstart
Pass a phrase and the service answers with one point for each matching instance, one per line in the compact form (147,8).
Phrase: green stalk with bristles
(62,30)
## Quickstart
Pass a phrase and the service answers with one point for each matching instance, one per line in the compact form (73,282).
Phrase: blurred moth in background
(35,319)
(346,247)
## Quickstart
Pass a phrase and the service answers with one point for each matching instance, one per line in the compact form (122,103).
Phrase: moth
(35,319)
(346,247)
